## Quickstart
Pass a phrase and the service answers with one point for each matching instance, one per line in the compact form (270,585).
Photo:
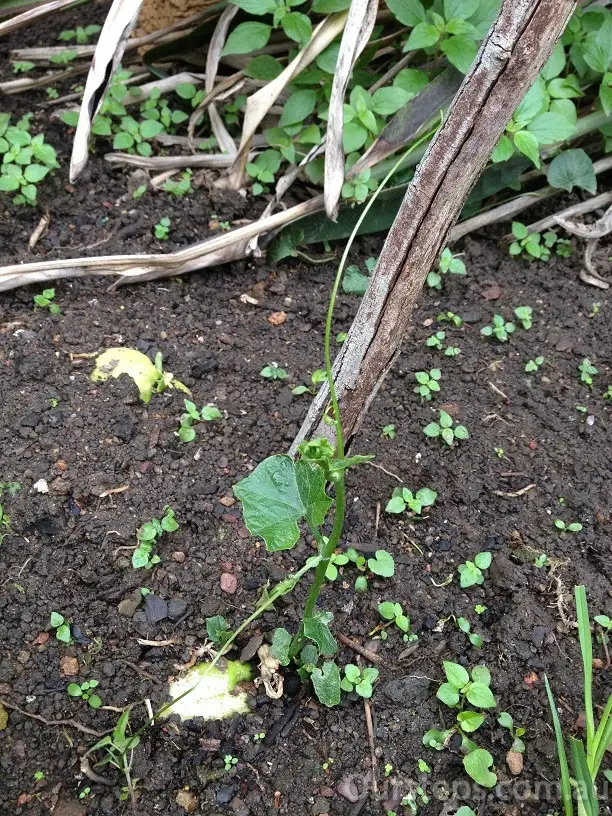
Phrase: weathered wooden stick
(508,62)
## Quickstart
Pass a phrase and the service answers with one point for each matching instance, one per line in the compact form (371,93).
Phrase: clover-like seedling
(359,680)
(25,160)
(403,499)
(460,687)
(530,242)
(541,560)
(84,692)
(186,431)
(273,372)
(464,625)
(435,340)
(394,613)
(448,263)
(471,572)
(500,329)
(446,429)
(428,383)
(587,372)
(388,431)
(450,317)
(217,629)
(506,721)
(162,229)
(533,365)
(148,535)
(62,627)
(524,315)
(45,301)
(319,376)
(229,761)
(572,527)
(336,560)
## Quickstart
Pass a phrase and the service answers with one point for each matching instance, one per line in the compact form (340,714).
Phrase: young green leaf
(383,564)
(247,37)
(477,764)
(326,683)
(316,628)
(281,641)
(572,168)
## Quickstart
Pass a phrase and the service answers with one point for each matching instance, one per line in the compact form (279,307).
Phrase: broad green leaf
(5,118)
(456,675)
(389,100)
(8,184)
(330,6)
(150,128)
(422,35)
(480,695)
(470,721)
(210,412)
(477,764)
(407,12)
(277,495)
(256,7)
(101,126)
(354,282)
(395,505)
(281,641)
(263,67)
(56,619)
(62,633)
(327,59)
(411,80)
(123,141)
(354,136)
(448,694)
(316,628)
(246,38)
(352,672)
(216,628)
(298,107)
(483,560)
(565,108)
(326,683)
(459,8)
(297,27)
(426,496)
(480,674)
(572,168)
(505,720)
(74,690)
(16,136)
(549,128)
(503,150)
(484,16)
(309,655)
(565,87)
(527,144)
(533,103)
(605,93)
(446,419)
(35,173)
(382,565)
(432,430)
(555,63)
(387,610)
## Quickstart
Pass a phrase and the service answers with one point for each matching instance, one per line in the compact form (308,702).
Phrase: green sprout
(445,429)
(273,372)
(464,625)
(45,301)
(23,66)
(403,499)
(388,431)
(506,721)
(471,572)
(450,317)
(229,761)
(524,315)
(394,613)
(359,680)
(428,383)
(435,341)
(84,692)
(61,626)
(572,527)
(533,365)
(147,537)
(587,371)
(448,263)
(317,377)
(81,34)
(186,431)
(25,159)
(500,329)
(162,228)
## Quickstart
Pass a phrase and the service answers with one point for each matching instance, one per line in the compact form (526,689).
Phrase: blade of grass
(584,784)
(586,648)
(603,738)
(566,787)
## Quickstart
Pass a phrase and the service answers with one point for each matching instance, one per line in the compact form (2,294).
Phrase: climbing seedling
(500,329)
(61,626)
(533,365)
(316,378)
(403,499)
(448,263)
(464,625)
(587,372)
(162,229)
(471,572)
(428,383)
(506,721)
(147,537)
(446,429)
(359,680)
(273,372)
(84,692)
(572,527)
(524,316)
(45,301)
(186,431)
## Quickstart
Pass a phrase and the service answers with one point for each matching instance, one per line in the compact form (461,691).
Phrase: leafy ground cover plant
(26,159)
(394,614)
(446,429)
(359,680)
(499,328)
(587,372)
(450,317)
(403,499)
(81,34)
(536,245)
(389,431)
(273,372)
(83,690)
(586,755)
(148,535)
(45,301)
(448,264)
(161,230)
(208,413)
(179,187)
(471,572)
(428,383)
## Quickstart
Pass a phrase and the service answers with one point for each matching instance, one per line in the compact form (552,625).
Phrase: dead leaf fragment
(514,761)
(3,717)
(69,666)
(187,800)
(277,318)
(269,676)
(41,639)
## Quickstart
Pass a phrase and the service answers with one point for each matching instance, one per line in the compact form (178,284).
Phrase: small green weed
(61,626)
(524,316)
(471,572)
(186,431)
(403,499)
(394,613)
(533,365)
(446,429)
(436,341)
(541,561)
(82,34)
(181,187)
(450,317)
(317,377)
(39,776)
(147,537)
(23,66)
(572,527)
(83,691)
(229,761)
(506,721)
(162,229)
(448,263)
(45,301)
(499,328)
(428,383)
(273,372)
(217,629)
(388,431)
(534,245)
(359,680)
(587,372)
(26,159)
(464,625)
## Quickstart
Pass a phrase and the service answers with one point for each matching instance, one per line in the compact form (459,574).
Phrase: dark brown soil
(68,551)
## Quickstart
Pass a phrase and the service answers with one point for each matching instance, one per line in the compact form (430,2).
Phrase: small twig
(89,772)
(368,716)
(361,650)
(54,723)
(377,520)
(142,672)
(559,603)
(576,209)
(384,470)
(516,493)
(39,230)
(159,643)
(500,392)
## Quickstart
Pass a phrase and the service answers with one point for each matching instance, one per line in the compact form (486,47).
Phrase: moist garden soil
(110,464)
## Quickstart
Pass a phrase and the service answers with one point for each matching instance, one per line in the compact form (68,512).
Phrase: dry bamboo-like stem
(581,208)
(29,16)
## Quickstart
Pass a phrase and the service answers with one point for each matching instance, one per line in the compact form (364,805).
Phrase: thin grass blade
(584,784)
(586,648)
(566,787)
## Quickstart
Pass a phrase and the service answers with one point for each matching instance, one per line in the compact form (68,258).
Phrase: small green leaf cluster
(428,383)
(471,572)
(5,524)
(436,341)
(394,613)
(524,316)
(587,372)
(319,376)
(359,680)
(148,535)
(354,281)
(403,499)
(23,66)
(446,429)
(464,625)
(536,245)
(82,34)
(45,301)
(229,761)
(572,527)
(380,564)
(181,186)
(117,745)
(186,431)
(83,691)
(533,365)
(500,329)
(61,626)
(189,93)
(26,159)
(64,57)
(506,721)
(448,263)
(161,230)
(388,431)
(273,372)
(218,629)
(450,317)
